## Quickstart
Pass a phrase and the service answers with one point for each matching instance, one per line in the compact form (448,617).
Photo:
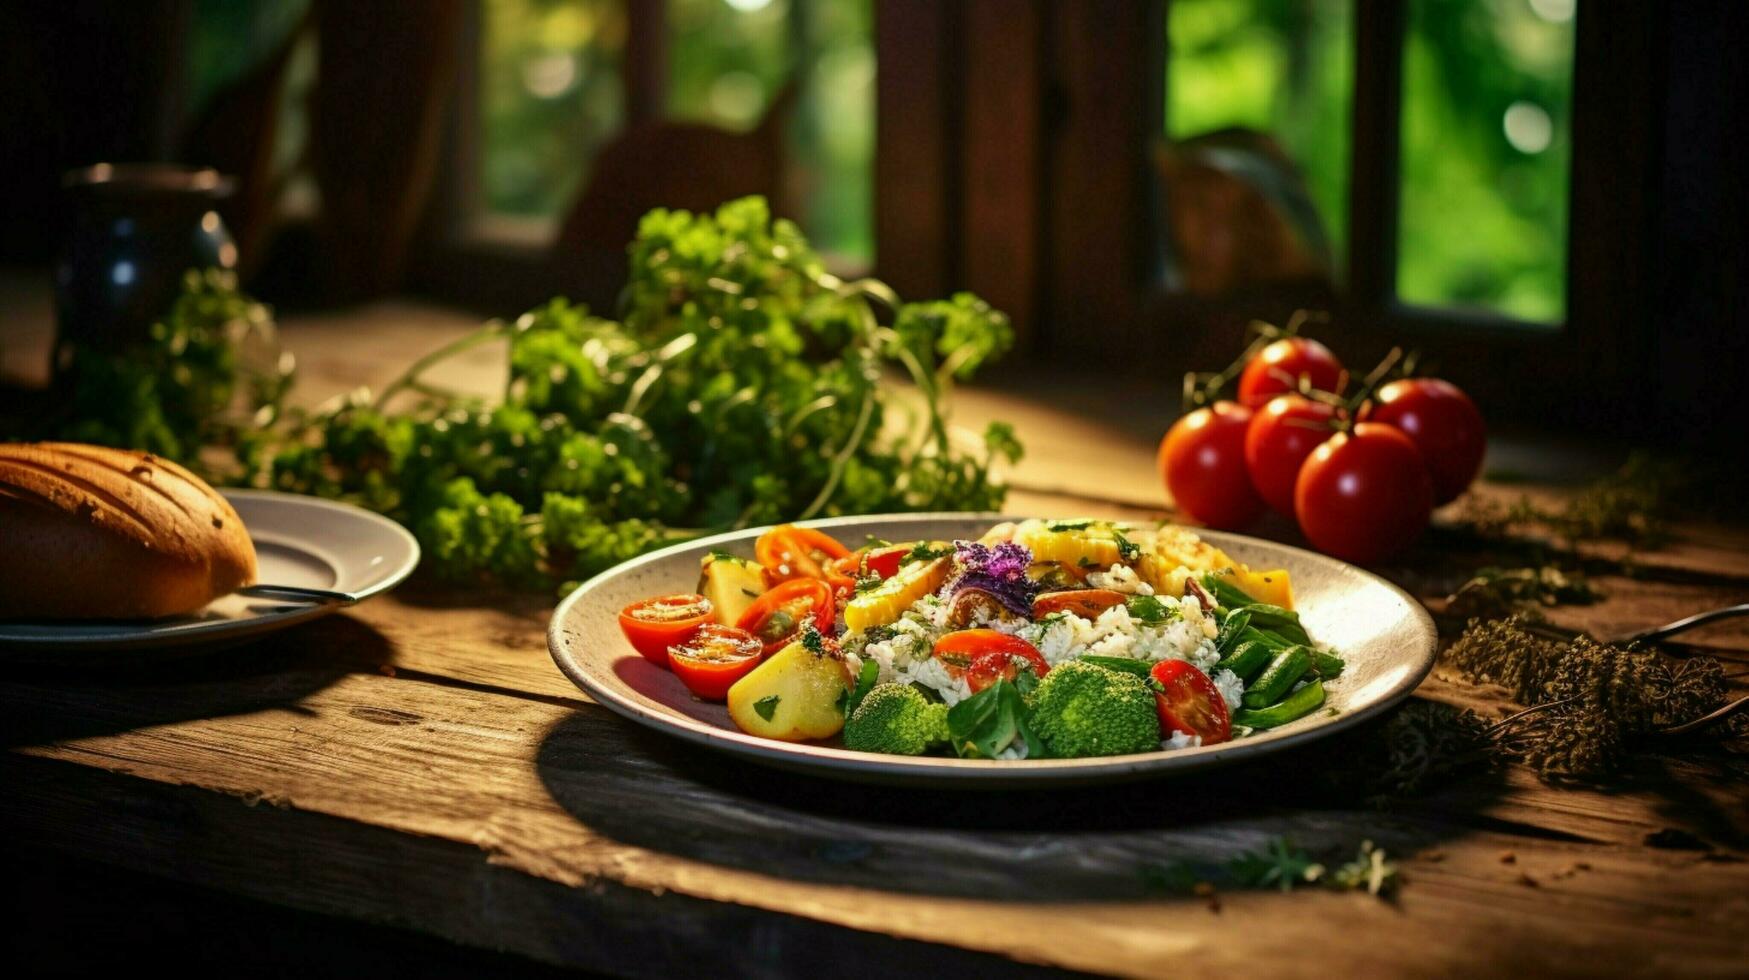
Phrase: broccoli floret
(1082,709)
(897,720)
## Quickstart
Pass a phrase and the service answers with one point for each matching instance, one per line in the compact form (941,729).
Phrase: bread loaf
(94,533)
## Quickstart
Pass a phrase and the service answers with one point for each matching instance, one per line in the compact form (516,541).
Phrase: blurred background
(1543,196)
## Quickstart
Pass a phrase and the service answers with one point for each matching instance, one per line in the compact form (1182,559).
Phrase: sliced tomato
(883,563)
(777,616)
(716,657)
(986,654)
(790,552)
(1086,603)
(1189,702)
(654,625)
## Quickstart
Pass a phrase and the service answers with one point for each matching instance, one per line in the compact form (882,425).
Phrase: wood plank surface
(418,761)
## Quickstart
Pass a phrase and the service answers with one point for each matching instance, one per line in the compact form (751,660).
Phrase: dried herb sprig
(1595,702)
(1634,504)
(1495,593)
(1279,865)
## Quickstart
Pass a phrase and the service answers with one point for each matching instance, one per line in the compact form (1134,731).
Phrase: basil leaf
(767,706)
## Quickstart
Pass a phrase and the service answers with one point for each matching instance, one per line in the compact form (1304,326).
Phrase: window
(553,92)
(550,96)
(1481,173)
(1487,96)
(1286,69)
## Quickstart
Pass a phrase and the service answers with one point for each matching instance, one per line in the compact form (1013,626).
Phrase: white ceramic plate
(299,541)
(1386,637)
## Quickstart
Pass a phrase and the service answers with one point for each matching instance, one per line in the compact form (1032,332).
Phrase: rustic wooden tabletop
(418,761)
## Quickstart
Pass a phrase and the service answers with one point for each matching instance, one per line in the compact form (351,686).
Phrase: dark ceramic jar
(130,233)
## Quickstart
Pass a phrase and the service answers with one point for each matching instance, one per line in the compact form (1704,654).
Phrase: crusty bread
(94,533)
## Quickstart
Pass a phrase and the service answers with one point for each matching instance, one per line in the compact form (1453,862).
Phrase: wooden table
(419,761)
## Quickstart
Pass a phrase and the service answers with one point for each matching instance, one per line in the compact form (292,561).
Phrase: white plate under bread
(109,549)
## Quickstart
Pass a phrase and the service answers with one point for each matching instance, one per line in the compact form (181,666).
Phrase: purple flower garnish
(999,571)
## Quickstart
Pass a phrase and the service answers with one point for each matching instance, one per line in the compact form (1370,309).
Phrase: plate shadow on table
(47,702)
(1074,843)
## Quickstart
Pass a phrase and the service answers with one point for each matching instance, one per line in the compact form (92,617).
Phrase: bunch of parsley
(742,385)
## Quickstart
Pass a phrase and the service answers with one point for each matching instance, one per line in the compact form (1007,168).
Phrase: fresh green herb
(718,554)
(927,552)
(990,721)
(209,373)
(766,706)
(1149,610)
(879,634)
(743,384)
(868,583)
(1126,549)
(1060,526)
(811,639)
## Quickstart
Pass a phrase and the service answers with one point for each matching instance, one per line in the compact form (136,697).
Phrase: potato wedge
(731,584)
(795,695)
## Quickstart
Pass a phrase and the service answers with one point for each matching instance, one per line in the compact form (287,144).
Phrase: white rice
(1120,578)
(1180,740)
(1187,634)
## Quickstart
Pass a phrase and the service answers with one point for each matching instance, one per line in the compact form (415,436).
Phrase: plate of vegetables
(965,649)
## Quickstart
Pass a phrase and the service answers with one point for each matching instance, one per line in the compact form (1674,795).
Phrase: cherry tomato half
(777,616)
(986,655)
(1281,435)
(1279,366)
(1444,424)
(1202,460)
(842,573)
(714,659)
(1189,702)
(654,625)
(790,552)
(1364,495)
(1086,603)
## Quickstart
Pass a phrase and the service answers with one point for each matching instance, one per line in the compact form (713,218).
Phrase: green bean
(1225,592)
(1231,630)
(1274,641)
(1327,664)
(1296,706)
(1283,621)
(1246,659)
(1288,666)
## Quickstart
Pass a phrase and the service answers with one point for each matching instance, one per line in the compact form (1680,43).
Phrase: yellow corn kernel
(889,600)
(1080,543)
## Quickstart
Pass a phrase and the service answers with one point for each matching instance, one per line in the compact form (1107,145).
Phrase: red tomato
(715,658)
(1281,435)
(1279,367)
(986,655)
(777,616)
(842,573)
(1086,603)
(1365,494)
(789,552)
(1444,424)
(654,625)
(1189,702)
(1202,460)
